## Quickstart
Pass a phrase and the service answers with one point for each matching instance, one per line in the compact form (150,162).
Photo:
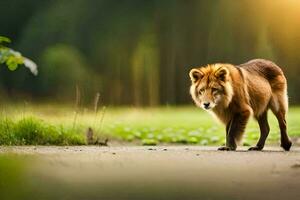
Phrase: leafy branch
(12,59)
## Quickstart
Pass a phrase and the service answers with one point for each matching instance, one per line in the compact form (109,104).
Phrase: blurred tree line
(137,52)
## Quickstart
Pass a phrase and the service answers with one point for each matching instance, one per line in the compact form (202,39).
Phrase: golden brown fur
(234,93)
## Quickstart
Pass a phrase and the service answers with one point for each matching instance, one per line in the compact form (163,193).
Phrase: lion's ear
(195,75)
(222,74)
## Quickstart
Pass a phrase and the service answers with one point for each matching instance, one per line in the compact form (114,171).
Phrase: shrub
(62,68)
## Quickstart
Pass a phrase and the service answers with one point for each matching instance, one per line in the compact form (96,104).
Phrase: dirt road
(172,172)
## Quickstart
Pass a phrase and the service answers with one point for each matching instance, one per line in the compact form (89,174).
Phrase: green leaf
(193,140)
(149,142)
(4,39)
(12,66)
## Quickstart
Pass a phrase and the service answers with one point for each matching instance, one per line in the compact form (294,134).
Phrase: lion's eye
(202,90)
(214,89)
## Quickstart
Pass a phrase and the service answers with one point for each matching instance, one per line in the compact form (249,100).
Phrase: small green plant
(12,59)
(33,131)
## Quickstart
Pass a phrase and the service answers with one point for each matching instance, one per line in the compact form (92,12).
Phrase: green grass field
(43,124)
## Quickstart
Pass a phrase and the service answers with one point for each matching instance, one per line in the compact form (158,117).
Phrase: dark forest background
(139,52)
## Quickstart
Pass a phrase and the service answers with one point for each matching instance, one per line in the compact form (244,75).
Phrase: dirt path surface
(165,172)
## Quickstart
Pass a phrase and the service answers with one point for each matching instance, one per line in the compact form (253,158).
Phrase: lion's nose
(206,105)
